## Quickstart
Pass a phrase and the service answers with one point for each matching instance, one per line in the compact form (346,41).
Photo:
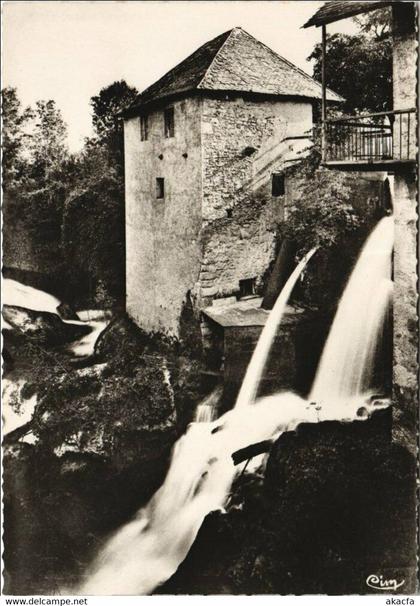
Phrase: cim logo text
(378,582)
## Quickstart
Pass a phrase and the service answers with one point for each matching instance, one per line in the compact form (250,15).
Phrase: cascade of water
(206,411)
(345,368)
(147,551)
(15,293)
(27,297)
(249,387)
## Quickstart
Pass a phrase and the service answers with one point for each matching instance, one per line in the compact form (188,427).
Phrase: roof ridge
(290,64)
(186,59)
(231,59)
(229,31)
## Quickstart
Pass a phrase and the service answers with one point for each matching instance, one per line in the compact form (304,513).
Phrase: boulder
(66,312)
(41,326)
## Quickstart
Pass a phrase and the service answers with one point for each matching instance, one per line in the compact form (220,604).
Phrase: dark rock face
(346,496)
(41,326)
(336,505)
(59,510)
(104,436)
(116,333)
(66,312)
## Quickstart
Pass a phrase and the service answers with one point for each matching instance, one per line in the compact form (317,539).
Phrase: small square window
(169,122)
(246,287)
(160,187)
(277,185)
(144,128)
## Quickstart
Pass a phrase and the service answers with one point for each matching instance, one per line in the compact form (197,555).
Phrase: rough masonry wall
(404,79)
(405,247)
(162,235)
(405,309)
(239,213)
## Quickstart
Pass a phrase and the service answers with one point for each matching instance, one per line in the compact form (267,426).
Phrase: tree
(93,221)
(359,67)
(48,144)
(15,136)
(375,23)
(107,119)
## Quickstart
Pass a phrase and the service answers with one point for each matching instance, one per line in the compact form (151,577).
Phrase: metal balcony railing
(374,138)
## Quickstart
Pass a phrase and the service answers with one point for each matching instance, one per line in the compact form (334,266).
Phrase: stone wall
(404,78)
(31,249)
(293,359)
(405,310)
(405,366)
(162,235)
(243,144)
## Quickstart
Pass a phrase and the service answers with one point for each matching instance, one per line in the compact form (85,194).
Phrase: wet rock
(116,333)
(41,326)
(343,498)
(66,312)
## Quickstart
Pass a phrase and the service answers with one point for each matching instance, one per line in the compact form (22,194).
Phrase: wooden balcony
(380,141)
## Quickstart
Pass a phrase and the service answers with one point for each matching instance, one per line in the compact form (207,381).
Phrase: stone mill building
(205,150)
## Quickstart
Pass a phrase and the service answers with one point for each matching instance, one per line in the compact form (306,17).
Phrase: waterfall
(249,387)
(147,551)
(346,366)
(206,411)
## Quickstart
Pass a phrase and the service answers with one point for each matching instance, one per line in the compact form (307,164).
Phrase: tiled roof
(334,10)
(235,61)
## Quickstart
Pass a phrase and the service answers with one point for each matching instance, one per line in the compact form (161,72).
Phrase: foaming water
(206,411)
(346,366)
(16,410)
(148,550)
(27,297)
(20,295)
(249,387)
(144,553)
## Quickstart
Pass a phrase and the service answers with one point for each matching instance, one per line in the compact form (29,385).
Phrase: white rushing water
(20,295)
(16,411)
(206,411)
(148,550)
(27,297)
(249,387)
(346,365)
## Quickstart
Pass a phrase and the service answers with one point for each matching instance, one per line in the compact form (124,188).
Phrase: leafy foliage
(324,217)
(48,152)
(94,412)
(93,220)
(375,23)
(68,209)
(359,68)
(15,120)
(107,120)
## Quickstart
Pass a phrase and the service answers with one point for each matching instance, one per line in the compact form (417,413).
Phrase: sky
(68,51)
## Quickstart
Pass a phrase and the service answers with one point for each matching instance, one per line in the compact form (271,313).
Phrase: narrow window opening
(277,185)
(144,128)
(160,187)
(247,287)
(169,122)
